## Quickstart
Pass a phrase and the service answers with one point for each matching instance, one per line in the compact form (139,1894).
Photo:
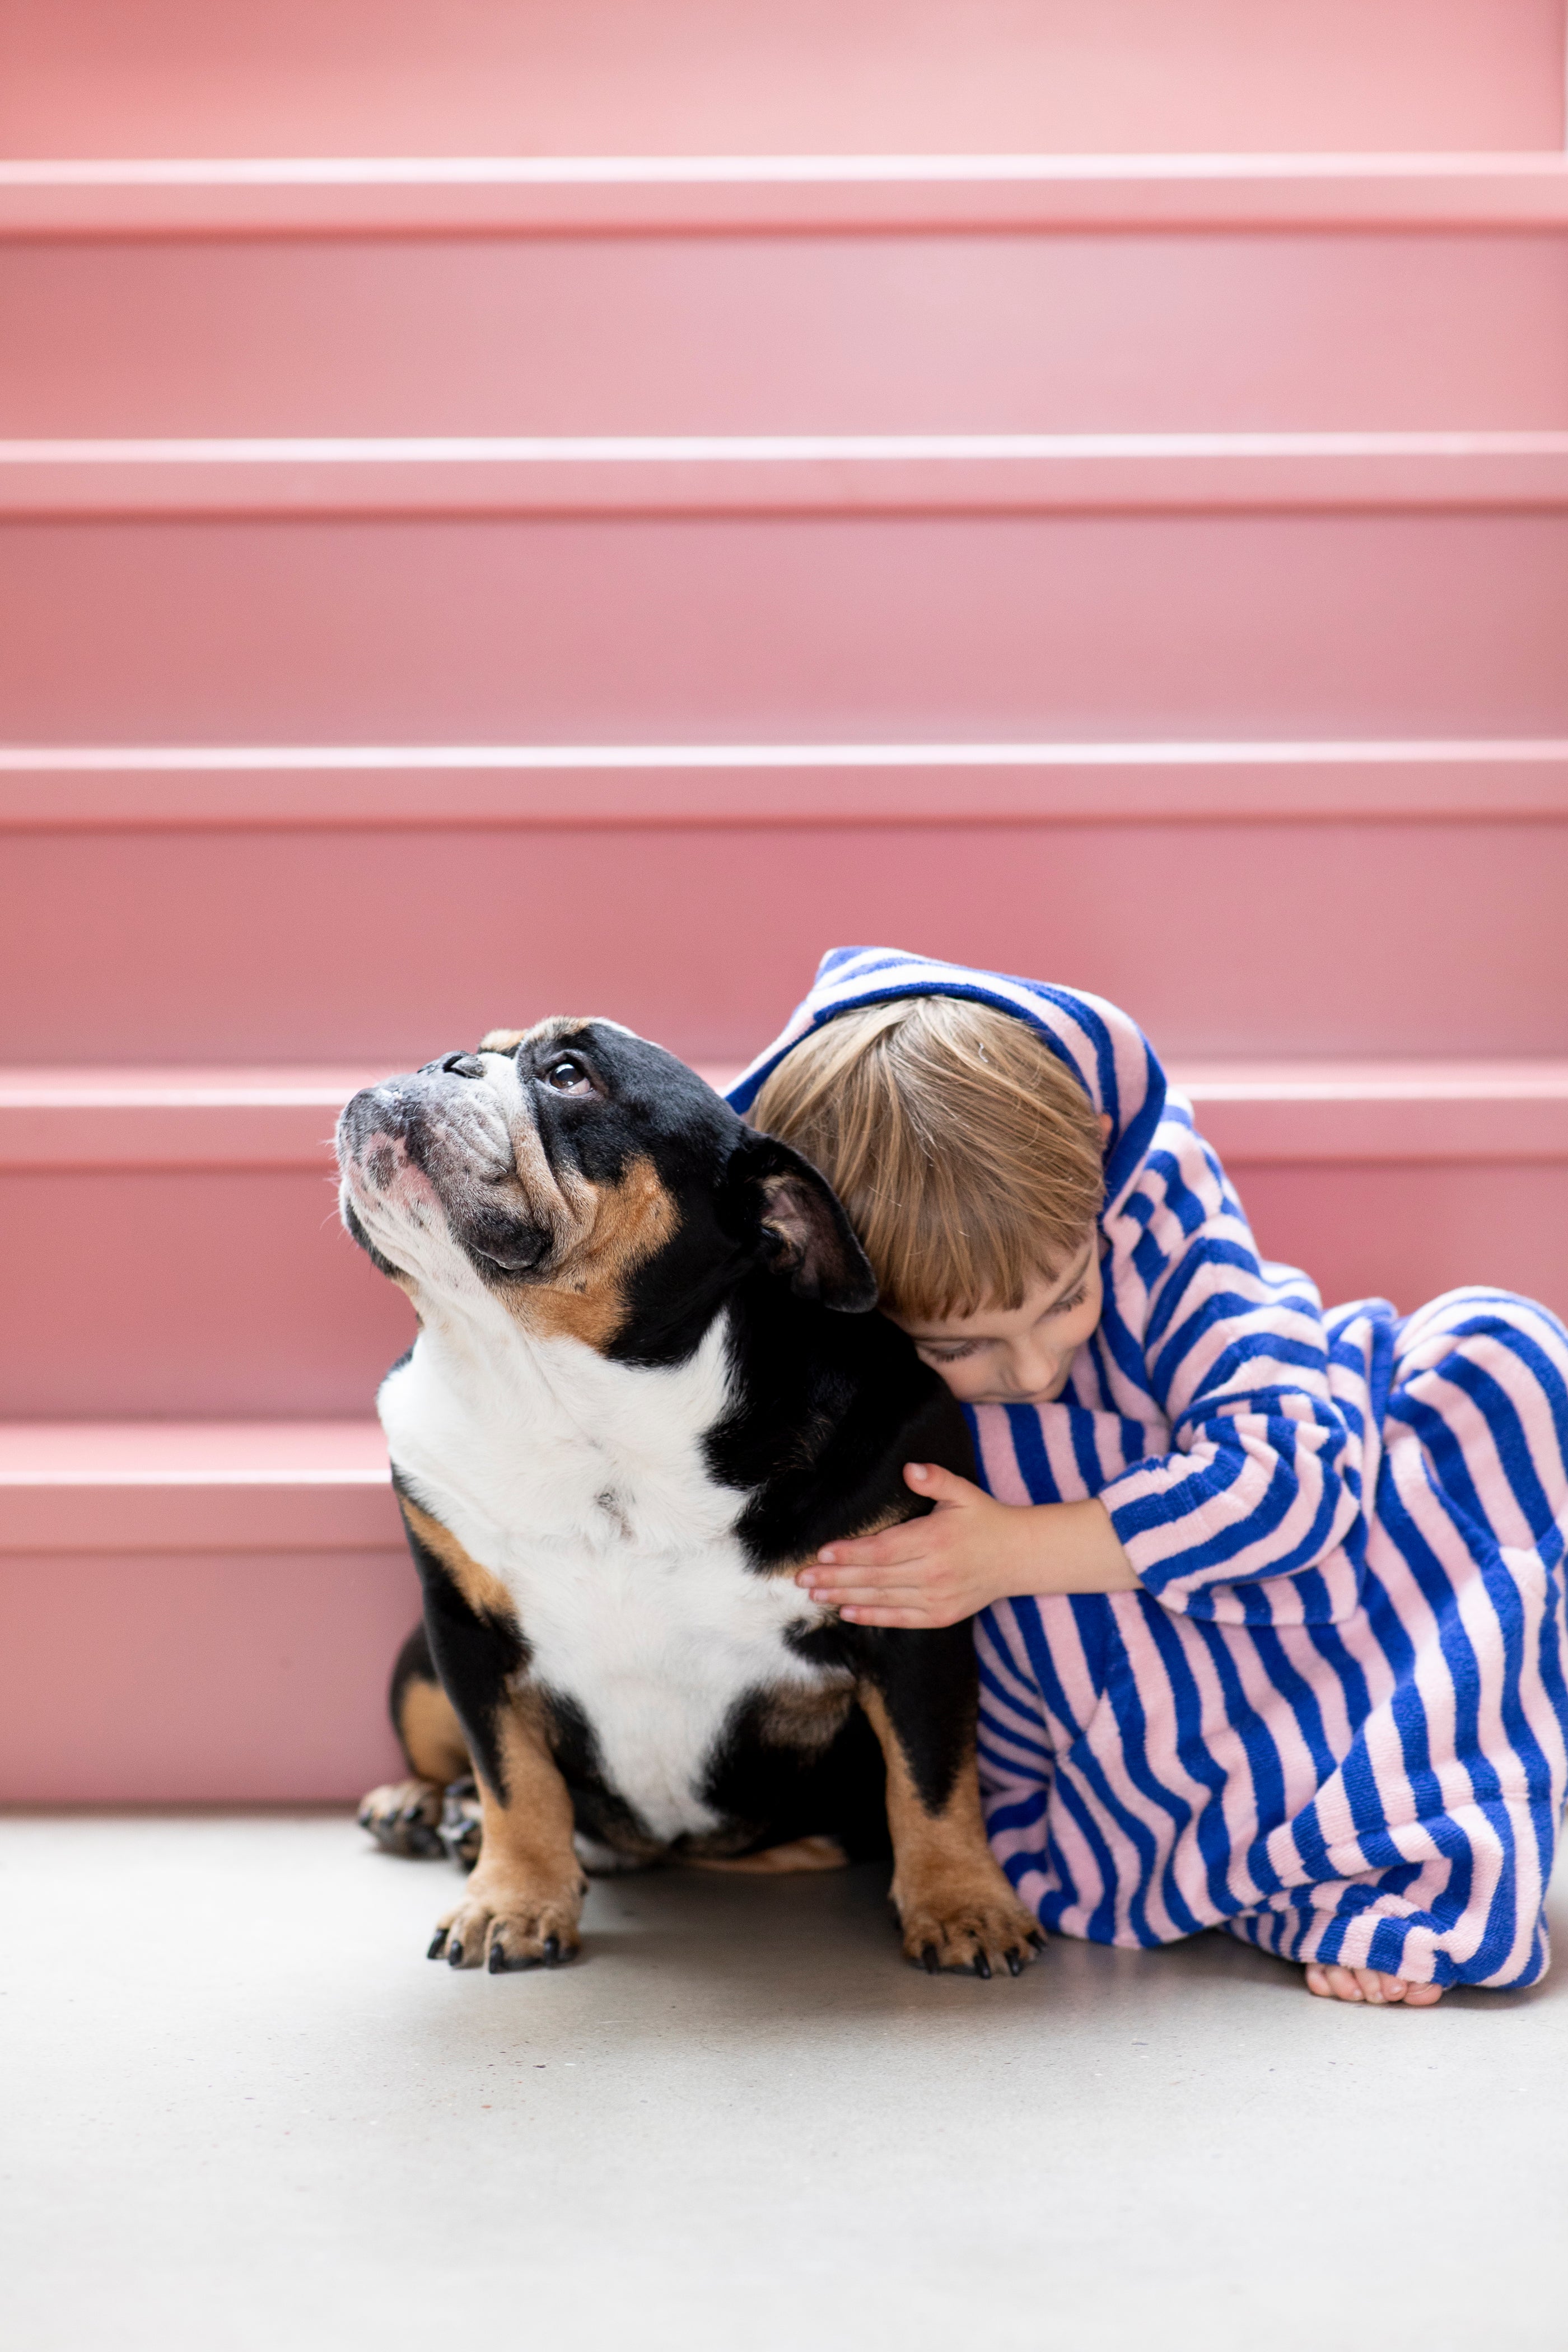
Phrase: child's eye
(947,1355)
(1066,1306)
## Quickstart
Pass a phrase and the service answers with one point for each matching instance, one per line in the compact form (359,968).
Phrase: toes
(972,1943)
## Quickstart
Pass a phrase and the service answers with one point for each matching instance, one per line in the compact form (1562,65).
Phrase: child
(1270,1605)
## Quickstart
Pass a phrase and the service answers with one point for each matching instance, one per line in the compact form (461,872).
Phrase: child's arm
(968,1551)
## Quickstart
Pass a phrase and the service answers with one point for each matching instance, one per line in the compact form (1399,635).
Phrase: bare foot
(1369,1985)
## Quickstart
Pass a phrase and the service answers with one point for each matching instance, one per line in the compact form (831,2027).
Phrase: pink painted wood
(521,196)
(222,1677)
(1273,691)
(387,948)
(814,627)
(596,77)
(1312,328)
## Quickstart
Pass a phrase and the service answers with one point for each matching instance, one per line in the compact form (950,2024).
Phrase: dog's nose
(457,1066)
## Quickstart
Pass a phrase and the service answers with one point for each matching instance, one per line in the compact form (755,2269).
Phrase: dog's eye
(567,1075)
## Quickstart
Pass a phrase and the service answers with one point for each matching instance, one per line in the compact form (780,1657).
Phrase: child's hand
(971,1550)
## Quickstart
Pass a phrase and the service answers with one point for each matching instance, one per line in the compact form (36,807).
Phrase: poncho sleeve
(1256,1517)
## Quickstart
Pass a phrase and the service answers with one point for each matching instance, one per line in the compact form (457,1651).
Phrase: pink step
(715,476)
(457,195)
(1415,622)
(198,1612)
(600,77)
(1292,299)
(100,197)
(177,1253)
(376,904)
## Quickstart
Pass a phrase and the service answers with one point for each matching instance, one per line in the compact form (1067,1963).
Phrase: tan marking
(431,1735)
(527,1885)
(502,1041)
(809,1717)
(586,1296)
(481,1587)
(795,1856)
(951,1894)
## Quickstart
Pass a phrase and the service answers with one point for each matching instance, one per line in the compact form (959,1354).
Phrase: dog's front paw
(405,1817)
(977,1925)
(504,1923)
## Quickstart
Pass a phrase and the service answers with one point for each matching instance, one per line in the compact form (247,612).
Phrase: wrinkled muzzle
(435,1166)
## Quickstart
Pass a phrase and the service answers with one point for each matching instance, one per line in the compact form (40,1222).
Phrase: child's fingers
(894,1548)
(939,1486)
(875,1591)
(915,1620)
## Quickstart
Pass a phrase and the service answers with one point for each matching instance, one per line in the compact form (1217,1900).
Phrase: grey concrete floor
(240,2110)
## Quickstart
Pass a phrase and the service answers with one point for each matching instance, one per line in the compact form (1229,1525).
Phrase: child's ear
(1105,1126)
(803,1228)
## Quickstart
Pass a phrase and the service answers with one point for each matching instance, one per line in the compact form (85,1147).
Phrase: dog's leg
(403,1817)
(954,1904)
(523,1903)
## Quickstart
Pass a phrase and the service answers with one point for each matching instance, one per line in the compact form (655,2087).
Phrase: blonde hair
(967,1154)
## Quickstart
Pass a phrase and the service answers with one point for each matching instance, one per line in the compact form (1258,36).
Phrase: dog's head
(592,1183)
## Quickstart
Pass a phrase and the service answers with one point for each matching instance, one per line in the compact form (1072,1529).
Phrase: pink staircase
(510,508)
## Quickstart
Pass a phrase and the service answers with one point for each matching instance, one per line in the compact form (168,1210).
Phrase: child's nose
(1034,1368)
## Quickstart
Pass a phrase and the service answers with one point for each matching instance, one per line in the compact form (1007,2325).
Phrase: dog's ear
(804,1232)
(502,1041)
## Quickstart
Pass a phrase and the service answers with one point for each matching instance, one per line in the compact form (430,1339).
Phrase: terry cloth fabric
(1334,1719)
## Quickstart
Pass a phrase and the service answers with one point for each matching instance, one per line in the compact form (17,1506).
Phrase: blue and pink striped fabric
(1334,1720)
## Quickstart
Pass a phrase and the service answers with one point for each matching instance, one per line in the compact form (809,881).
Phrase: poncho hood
(1108,1053)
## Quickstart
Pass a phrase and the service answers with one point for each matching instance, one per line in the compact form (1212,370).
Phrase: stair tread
(752,474)
(236,1455)
(279,1117)
(544,194)
(438,785)
(195,1486)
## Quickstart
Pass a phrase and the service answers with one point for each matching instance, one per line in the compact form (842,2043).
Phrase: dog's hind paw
(462,1823)
(405,1817)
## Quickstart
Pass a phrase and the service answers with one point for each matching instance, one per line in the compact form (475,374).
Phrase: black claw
(438,1945)
(1014,1964)
(928,1960)
(552,1950)
(454,1954)
(982,1967)
(1037,1939)
(498,1963)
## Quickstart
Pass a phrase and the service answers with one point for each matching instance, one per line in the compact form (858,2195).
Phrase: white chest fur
(581,1484)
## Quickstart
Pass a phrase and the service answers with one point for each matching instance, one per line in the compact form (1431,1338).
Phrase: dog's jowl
(647,1386)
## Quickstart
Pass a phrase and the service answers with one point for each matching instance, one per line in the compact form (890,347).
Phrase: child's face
(1018,1355)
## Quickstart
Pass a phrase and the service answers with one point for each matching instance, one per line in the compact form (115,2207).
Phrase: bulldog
(648,1384)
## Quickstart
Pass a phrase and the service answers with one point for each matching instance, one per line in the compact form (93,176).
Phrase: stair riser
(199,1678)
(190,1294)
(721,334)
(698,77)
(668,629)
(387,948)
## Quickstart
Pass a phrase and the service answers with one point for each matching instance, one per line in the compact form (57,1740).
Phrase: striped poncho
(1334,1719)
